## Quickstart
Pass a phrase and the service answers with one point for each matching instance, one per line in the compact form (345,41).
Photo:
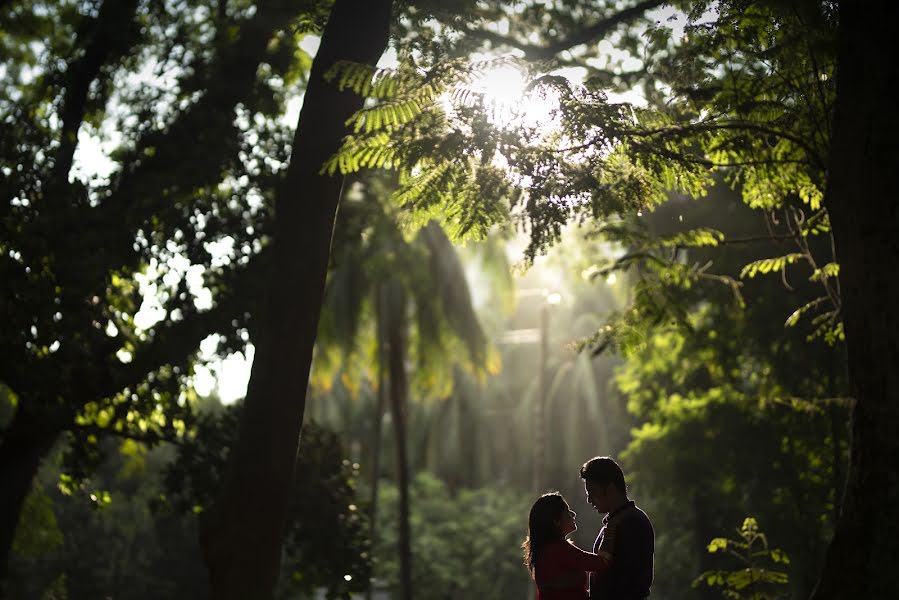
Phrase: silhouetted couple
(620,566)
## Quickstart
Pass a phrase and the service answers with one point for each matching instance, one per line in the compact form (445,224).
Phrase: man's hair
(602,470)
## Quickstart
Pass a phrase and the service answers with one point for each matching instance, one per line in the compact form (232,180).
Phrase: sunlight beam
(505,90)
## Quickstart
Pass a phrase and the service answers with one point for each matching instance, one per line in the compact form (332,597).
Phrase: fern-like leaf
(769,265)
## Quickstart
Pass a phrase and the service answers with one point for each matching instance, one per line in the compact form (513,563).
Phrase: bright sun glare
(506,88)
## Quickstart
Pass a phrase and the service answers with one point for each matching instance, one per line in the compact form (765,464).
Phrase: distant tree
(467,543)
(110,542)
(417,296)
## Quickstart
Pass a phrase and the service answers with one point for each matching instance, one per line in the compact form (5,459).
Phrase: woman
(558,567)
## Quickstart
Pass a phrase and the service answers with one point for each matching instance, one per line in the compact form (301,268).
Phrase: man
(630,575)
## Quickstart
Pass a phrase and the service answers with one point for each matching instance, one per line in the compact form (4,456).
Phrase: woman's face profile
(568,522)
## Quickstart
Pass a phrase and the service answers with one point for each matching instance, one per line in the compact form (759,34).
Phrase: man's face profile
(597,496)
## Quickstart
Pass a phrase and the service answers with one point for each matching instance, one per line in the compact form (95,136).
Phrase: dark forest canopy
(767,97)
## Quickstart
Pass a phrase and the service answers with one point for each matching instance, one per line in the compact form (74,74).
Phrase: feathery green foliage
(372,252)
(754,580)
(739,114)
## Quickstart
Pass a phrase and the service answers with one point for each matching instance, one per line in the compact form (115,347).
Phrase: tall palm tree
(416,296)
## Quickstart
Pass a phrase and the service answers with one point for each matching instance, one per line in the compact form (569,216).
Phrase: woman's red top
(561,571)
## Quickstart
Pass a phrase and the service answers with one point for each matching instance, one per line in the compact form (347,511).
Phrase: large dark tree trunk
(25,443)
(396,361)
(242,535)
(862,198)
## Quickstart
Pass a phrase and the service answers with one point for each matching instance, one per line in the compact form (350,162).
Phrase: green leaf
(828,271)
(796,314)
(769,265)
(696,238)
(779,556)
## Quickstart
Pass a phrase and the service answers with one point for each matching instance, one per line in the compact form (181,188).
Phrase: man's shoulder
(641,513)
(637,518)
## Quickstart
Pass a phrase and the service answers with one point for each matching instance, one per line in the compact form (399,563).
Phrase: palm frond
(452,288)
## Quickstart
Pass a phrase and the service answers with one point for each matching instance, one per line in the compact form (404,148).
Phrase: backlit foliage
(755,579)
(746,103)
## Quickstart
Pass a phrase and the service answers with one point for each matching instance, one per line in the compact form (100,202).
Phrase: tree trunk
(242,535)
(396,360)
(540,406)
(862,198)
(468,467)
(837,423)
(378,426)
(23,448)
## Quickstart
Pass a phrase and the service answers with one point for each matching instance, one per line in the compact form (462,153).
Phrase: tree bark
(242,535)
(24,446)
(396,361)
(108,37)
(862,198)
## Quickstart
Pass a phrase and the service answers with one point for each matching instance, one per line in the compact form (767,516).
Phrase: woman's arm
(569,581)
(581,560)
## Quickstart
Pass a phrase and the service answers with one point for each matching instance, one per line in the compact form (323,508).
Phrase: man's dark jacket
(630,575)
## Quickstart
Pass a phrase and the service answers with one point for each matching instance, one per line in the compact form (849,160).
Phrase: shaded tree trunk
(378,424)
(837,423)
(862,198)
(396,361)
(25,444)
(242,535)
(468,469)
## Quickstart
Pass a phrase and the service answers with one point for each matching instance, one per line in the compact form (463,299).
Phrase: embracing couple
(620,566)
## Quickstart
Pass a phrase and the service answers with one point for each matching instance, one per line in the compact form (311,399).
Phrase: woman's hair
(543,526)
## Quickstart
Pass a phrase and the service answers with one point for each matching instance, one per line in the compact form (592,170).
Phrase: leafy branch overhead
(457,164)
(747,105)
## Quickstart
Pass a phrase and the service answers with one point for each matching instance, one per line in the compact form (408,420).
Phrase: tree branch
(146,437)
(204,136)
(601,29)
(173,342)
(753,239)
(594,32)
(692,128)
(105,39)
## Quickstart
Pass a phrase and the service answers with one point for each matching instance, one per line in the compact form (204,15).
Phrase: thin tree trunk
(242,535)
(378,426)
(836,436)
(540,406)
(862,197)
(396,359)
(23,448)
(468,428)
